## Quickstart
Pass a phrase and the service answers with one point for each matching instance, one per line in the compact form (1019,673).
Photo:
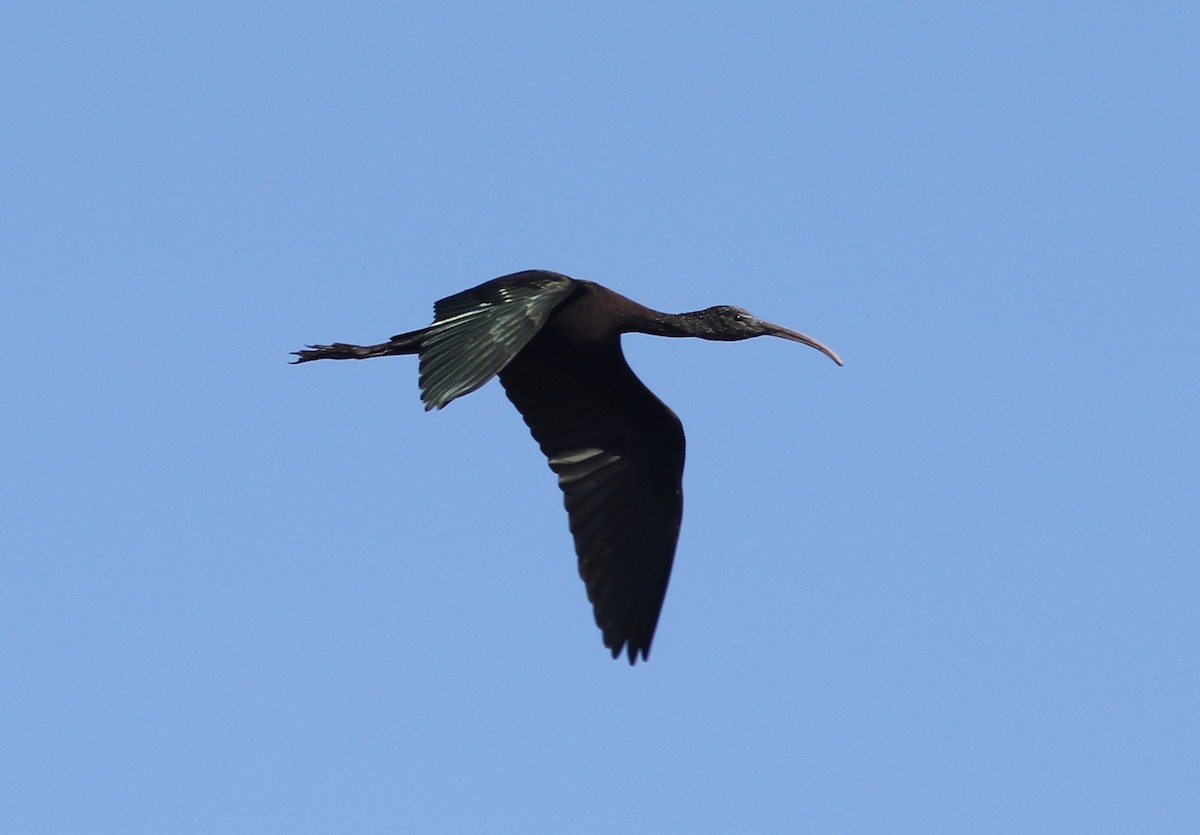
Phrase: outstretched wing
(618,452)
(477,332)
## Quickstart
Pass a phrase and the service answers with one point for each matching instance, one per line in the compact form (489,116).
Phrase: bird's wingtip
(631,650)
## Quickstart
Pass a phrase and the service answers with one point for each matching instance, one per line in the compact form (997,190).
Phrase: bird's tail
(405,343)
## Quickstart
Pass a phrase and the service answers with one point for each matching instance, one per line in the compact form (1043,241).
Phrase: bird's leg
(336,351)
(405,343)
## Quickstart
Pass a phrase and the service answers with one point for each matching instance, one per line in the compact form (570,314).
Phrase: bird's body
(617,449)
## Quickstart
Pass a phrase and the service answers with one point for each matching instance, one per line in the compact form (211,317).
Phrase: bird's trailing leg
(405,343)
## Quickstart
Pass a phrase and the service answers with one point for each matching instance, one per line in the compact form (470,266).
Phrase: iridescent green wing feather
(477,332)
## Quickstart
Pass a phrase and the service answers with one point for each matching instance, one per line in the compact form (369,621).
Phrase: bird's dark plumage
(617,449)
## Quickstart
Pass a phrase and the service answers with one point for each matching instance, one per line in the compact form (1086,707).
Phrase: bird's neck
(657,323)
(637,318)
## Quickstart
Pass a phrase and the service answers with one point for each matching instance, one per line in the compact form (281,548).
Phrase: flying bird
(618,451)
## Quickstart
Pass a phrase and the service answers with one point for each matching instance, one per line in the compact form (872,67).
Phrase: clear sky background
(951,587)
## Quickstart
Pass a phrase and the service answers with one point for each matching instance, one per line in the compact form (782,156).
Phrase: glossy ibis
(616,448)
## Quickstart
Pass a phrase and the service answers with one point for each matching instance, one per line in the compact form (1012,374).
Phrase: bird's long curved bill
(805,339)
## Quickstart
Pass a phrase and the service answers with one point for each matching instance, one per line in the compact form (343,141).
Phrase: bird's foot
(336,351)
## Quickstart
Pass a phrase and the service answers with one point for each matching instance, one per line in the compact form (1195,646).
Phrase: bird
(618,451)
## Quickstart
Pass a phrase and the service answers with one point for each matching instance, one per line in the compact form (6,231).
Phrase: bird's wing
(618,452)
(477,332)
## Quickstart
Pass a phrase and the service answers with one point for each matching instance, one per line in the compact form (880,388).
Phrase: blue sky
(949,587)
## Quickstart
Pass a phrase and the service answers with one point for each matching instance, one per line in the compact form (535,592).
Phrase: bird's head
(726,323)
